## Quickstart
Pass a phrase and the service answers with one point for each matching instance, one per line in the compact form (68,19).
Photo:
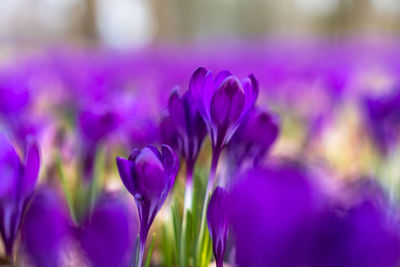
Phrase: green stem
(210,185)
(187,207)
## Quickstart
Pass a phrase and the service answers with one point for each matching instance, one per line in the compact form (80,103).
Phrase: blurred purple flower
(362,235)
(223,102)
(95,126)
(16,187)
(281,219)
(45,228)
(382,114)
(14,93)
(253,138)
(218,223)
(108,233)
(149,176)
(268,207)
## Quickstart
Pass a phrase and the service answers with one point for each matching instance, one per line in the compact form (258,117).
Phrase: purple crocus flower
(45,229)
(107,234)
(189,125)
(218,223)
(223,102)
(18,180)
(253,138)
(148,175)
(185,128)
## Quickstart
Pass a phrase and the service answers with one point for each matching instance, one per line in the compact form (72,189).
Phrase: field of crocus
(276,154)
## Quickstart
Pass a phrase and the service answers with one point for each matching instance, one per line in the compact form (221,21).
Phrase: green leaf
(95,185)
(148,258)
(66,189)
(167,246)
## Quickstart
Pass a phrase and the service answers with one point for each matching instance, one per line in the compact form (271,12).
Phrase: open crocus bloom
(223,102)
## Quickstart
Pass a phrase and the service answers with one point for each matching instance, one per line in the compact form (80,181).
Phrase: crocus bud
(188,124)
(253,138)
(223,102)
(19,179)
(218,223)
(149,176)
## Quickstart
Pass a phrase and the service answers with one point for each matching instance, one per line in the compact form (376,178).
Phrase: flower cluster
(292,166)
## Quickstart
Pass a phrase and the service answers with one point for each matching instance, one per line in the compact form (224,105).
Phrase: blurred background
(126,24)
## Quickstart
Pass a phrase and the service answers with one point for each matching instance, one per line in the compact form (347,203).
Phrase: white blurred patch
(388,6)
(317,7)
(125,23)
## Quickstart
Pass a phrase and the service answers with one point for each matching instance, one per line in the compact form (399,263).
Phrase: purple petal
(168,133)
(227,102)
(218,221)
(125,169)
(150,177)
(155,151)
(196,87)
(107,235)
(134,154)
(177,111)
(221,77)
(31,171)
(250,87)
(170,160)
(10,167)
(45,229)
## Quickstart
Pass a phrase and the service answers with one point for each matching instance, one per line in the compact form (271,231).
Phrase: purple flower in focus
(218,223)
(17,183)
(45,229)
(185,130)
(223,102)
(253,138)
(189,126)
(108,233)
(149,176)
